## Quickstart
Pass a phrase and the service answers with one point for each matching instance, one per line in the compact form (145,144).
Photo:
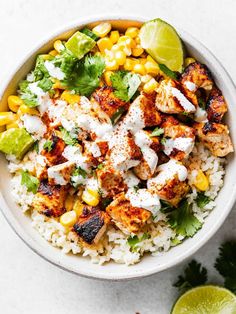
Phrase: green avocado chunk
(15,142)
(79,44)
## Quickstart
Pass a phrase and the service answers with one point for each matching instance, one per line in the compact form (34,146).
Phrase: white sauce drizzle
(184,144)
(200,115)
(190,86)
(184,102)
(74,154)
(54,71)
(34,125)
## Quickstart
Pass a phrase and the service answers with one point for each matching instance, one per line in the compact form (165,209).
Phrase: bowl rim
(12,221)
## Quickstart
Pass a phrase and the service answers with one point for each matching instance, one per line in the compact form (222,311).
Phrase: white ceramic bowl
(148,265)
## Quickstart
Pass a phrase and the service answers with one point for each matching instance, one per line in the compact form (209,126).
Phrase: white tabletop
(30,285)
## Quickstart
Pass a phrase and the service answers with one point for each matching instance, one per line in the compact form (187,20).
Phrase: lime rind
(163,43)
(206,299)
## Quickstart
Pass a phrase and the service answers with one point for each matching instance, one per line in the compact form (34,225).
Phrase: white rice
(114,245)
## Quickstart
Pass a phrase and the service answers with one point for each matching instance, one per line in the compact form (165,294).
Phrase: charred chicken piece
(49,199)
(197,75)
(127,218)
(173,98)
(91,225)
(215,136)
(108,102)
(60,174)
(216,106)
(55,157)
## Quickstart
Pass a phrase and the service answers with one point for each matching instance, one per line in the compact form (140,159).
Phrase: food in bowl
(116,143)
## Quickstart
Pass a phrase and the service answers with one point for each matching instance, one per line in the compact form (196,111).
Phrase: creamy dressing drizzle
(184,102)
(184,144)
(34,125)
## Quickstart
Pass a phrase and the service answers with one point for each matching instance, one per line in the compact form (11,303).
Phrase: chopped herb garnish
(100,192)
(125,84)
(202,200)
(67,138)
(202,103)
(136,188)
(163,141)
(46,84)
(31,182)
(89,33)
(100,166)
(48,145)
(183,220)
(29,98)
(116,116)
(157,132)
(36,147)
(165,207)
(226,264)
(133,241)
(105,202)
(79,172)
(194,275)
(168,71)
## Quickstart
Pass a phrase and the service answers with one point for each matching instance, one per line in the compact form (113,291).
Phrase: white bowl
(149,264)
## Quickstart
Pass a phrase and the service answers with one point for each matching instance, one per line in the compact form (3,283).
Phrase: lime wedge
(207,300)
(162,42)
(79,44)
(15,142)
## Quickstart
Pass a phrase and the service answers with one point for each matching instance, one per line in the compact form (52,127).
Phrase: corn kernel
(78,207)
(146,78)
(137,40)
(127,41)
(188,61)
(53,53)
(27,110)
(140,69)
(111,65)
(104,43)
(129,64)
(120,57)
(116,47)
(90,197)
(70,98)
(14,102)
(107,77)
(7,118)
(152,68)
(68,219)
(69,203)
(58,46)
(132,32)
(136,52)
(150,86)
(142,60)
(101,30)
(58,85)
(13,125)
(114,36)
(201,181)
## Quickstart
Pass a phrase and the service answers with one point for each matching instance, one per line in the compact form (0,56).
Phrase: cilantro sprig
(79,172)
(133,241)
(67,138)
(48,145)
(168,71)
(202,200)
(157,132)
(183,220)
(125,84)
(31,182)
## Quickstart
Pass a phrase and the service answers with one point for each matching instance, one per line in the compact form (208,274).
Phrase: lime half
(163,43)
(206,300)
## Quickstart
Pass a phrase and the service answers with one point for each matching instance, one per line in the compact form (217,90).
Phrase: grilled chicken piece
(149,146)
(110,180)
(173,98)
(142,112)
(215,137)
(125,154)
(60,174)
(127,218)
(55,157)
(108,102)
(41,167)
(216,106)
(49,199)
(197,75)
(91,225)
(170,183)
(179,139)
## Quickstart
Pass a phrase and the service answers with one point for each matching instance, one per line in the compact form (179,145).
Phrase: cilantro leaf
(100,166)
(165,207)
(202,103)
(40,70)
(125,84)
(89,33)
(226,264)
(168,71)
(194,275)
(66,62)
(183,220)
(48,145)
(84,75)
(79,172)
(202,200)
(29,98)
(134,240)
(45,84)
(31,182)
(67,138)
(157,132)
(36,147)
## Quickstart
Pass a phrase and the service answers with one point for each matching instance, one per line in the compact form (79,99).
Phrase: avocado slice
(79,44)
(15,142)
